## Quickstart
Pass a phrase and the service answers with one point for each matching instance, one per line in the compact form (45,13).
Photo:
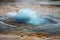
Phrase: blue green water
(28,16)
(35,23)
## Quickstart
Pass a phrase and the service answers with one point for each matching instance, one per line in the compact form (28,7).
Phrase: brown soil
(15,37)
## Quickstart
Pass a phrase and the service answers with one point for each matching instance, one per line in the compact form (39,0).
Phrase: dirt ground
(14,37)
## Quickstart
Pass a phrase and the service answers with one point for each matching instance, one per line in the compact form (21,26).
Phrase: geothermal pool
(51,12)
(48,28)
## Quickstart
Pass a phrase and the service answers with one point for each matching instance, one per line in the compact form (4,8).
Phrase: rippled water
(48,28)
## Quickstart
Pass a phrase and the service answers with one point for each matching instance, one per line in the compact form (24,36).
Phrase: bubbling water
(29,16)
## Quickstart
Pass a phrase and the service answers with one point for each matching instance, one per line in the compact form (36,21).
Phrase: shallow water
(48,28)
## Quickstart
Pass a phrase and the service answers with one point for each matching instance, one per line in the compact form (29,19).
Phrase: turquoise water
(36,23)
(29,16)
